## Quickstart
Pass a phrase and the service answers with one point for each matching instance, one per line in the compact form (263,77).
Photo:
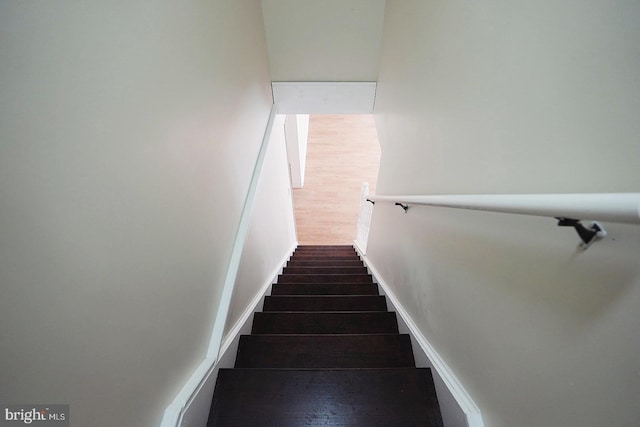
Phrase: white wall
(329,40)
(271,232)
(303,140)
(527,97)
(128,135)
(324,97)
(296,136)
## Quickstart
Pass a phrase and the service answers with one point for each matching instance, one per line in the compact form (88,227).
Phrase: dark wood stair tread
(325,278)
(364,322)
(325,289)
(325,351)
(288,398)
(325,303)
(323,247)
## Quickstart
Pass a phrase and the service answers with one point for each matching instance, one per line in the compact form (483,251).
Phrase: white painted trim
(292,144)
(359,250)
(442,370)
(302,121)
(296,131)
(176,412)
(324,97)
(235,331)
(238,245)
(364,219)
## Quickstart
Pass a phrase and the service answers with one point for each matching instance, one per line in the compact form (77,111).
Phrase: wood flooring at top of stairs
(342,153)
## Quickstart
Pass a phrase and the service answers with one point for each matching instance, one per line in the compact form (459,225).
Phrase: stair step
(325,289)
(325,351)
(358,398)
(325,278)
(326,250)
(365,322)
(325,270)
(324,263)
(325,303)
(325,253)
(332,259)
(323,247)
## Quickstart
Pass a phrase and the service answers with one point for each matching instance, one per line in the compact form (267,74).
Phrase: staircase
(325,351)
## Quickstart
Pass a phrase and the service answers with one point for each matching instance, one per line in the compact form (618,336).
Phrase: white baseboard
(457,407)
(191,406)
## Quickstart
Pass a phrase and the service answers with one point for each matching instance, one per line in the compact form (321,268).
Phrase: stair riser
(325,303)
(332,260)
(324,263)
(325,278)
(325,254)
(325,249)
(325,351)
(325,323)
(325,289)
(325,270)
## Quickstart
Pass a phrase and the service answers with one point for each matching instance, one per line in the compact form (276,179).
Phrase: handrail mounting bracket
(588,235)
(403,206)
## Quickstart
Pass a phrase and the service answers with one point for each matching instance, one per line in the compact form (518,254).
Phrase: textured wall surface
(512,97)
(271,232)
(128,133)
(329,40)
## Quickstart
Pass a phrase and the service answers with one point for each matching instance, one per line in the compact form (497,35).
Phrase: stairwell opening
(342,152)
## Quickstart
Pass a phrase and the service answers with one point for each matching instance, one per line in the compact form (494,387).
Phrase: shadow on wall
(533,261)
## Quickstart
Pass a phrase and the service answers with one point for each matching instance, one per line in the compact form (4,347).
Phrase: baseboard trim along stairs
(191,406)
(325,351)
(456,405)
